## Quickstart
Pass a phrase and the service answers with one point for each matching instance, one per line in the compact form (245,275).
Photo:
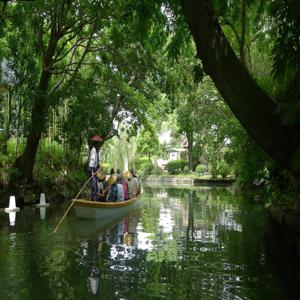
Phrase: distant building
(173,153)
(176,153)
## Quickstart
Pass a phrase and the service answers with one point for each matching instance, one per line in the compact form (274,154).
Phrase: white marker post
(12,218)
(12,205)
(43,202)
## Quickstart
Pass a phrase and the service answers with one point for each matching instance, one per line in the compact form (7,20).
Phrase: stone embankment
(176,180)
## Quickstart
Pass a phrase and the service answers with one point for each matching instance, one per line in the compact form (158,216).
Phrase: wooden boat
(86,209)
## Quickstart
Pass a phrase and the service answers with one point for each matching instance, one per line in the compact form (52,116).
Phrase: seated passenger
(125,186)
(112,195)
(136,182)
(130,184)
(101,178)
(105,188)
(120,190)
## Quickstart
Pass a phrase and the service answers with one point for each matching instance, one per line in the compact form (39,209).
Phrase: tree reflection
(184,244)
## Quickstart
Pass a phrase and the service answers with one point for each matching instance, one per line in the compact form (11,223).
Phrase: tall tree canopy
(92,53)
(89,66)
(255,109)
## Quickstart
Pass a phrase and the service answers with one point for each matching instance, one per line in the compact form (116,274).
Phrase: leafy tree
(77,47)
(147,142)
(252,106)
(60,34)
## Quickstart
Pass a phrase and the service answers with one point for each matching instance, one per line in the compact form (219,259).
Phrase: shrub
(224,169)
(139,164)
(200,169)
(214,171)
(157,171)
(147,169)
(175,166)
(5,167)
(186,170)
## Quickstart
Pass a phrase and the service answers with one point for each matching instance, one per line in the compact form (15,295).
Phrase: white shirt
(93,159)
(120,192)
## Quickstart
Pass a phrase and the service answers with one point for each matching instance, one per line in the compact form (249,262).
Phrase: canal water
(182,243)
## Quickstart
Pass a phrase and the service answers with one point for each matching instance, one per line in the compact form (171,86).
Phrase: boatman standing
(93,165)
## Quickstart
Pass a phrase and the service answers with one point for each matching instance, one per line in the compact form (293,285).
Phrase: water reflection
(183,243)
(115,242)
(42,212)
(93,278)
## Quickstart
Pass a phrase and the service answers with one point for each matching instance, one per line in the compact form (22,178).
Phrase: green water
(195,243)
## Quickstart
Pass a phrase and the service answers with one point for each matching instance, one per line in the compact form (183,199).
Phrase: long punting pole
(73,201)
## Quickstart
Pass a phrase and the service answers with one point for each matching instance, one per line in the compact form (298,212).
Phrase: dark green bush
(200,169)
(214,171)
(224,169)
(157,171)
(147,169)
(54,167)
(5,168)
(175,166)
(141,162)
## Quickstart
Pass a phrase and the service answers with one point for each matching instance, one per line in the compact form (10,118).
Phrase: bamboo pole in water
(73,201)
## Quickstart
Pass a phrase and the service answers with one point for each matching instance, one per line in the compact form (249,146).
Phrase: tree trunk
(25,162)
(6,135)
(190,151)
(243,34)
(250,104)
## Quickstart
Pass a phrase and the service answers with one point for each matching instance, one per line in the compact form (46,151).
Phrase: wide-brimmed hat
(96,138)
(100,175)
(112,179)
(127,175)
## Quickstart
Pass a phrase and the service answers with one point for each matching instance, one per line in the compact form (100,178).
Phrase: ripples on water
(182,244)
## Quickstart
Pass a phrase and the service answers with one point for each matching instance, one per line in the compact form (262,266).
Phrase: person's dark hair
(94,144)
(97,146)
(112,171)
(118,171)
(132,172)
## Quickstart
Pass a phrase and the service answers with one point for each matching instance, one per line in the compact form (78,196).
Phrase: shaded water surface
(197,243)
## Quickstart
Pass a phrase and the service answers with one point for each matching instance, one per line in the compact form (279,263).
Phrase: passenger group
(117,186)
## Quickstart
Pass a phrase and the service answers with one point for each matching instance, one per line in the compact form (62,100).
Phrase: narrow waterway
(183,243)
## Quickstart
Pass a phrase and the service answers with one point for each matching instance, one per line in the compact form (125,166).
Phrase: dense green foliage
(127,70)
(55,170)
(176,166)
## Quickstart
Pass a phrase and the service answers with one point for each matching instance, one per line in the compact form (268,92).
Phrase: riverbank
(57,173)
(187,180)
(57,191)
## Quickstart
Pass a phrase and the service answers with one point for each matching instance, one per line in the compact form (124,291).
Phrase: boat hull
(93,210)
